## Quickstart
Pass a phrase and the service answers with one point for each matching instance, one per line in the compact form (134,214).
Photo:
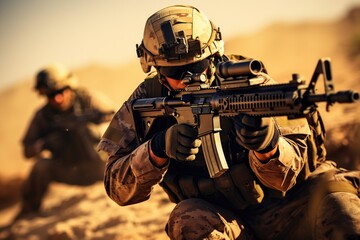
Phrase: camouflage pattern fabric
(197,219)
(338,217)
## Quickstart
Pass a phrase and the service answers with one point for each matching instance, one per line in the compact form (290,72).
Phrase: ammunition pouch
(236,188)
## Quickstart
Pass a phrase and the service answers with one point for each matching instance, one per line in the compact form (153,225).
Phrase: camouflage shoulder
(82,92)
(120,133)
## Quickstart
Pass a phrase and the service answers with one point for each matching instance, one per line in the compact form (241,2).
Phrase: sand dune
(71,212)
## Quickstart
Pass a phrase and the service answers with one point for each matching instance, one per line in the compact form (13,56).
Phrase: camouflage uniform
(63,143)
(253,200)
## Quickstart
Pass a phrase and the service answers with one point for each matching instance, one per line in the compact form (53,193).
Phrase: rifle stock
(237,93)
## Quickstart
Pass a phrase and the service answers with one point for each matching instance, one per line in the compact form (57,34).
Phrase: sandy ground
(71,212)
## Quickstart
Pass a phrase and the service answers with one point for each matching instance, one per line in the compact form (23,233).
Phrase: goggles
(52,94)
(179,72)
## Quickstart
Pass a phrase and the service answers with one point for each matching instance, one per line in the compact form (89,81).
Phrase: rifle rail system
(244,88)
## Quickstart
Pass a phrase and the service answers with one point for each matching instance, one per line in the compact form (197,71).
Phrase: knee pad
(193,219)
(338,216)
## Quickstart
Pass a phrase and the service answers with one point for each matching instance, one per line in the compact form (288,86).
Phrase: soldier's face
(61,100)
(175,75)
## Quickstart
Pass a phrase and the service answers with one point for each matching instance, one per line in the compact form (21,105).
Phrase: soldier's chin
(61,107)
(180,86)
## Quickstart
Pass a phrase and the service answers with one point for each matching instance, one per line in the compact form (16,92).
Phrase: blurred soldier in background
(62,136)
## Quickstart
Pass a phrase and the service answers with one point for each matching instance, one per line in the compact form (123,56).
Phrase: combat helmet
(54,77)
(178,35)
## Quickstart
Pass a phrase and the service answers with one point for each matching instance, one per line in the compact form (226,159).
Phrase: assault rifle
(244,88)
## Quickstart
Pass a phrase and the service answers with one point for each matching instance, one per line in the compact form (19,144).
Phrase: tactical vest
(238,187)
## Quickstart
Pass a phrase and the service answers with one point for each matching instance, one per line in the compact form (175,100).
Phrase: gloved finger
(187,151)
(187,130)
(189,142)
(185,157)
(243,122)
(253,134)
(196,143)
(255,122)
(249,141)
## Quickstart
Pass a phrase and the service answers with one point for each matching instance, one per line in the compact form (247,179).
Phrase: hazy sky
(34,33)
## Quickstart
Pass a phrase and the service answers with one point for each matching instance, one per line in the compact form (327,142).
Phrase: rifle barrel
(340,97)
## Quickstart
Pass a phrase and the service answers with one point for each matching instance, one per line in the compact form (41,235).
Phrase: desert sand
(71,212)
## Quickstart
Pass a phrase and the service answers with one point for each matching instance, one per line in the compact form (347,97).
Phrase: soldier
(278,185)
(62,136)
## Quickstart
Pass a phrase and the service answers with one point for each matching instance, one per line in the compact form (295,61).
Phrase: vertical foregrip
(214,154)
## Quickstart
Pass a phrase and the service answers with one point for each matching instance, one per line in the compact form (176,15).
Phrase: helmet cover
(178,35)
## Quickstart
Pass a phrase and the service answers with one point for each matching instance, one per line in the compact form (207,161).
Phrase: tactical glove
(256,133)
(179,142)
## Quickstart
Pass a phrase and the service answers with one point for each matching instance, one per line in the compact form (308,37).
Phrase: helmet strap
(162,80)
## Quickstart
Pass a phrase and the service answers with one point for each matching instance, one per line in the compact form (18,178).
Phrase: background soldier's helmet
(54,77)
(178,35)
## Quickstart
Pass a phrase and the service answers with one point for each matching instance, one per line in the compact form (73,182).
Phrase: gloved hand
(256,133)
(179,142)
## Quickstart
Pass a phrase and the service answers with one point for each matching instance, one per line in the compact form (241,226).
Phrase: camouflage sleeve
(129,175)
(280,173)
(129,179)
(33,141)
